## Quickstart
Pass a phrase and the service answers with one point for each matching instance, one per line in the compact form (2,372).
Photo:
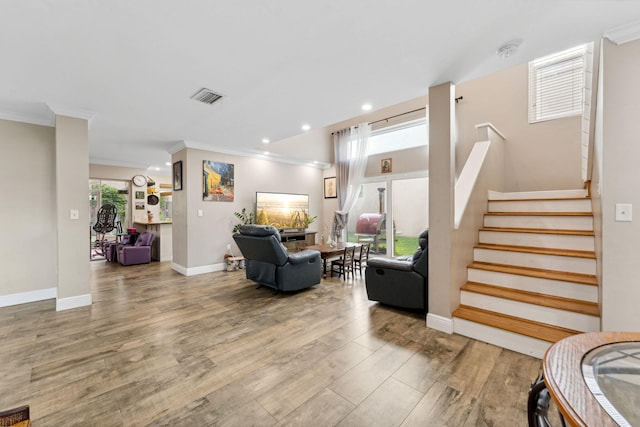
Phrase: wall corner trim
(442,324)
(73,302)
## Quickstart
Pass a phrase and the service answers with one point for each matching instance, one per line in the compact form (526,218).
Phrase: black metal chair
(105,223)
(538,404)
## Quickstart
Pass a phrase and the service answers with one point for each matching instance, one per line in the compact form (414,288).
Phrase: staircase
(533,278)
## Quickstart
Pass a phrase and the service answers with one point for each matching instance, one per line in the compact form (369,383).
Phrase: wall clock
(139,180)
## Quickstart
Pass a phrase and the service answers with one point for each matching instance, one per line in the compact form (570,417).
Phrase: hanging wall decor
(217,181)
(177,176)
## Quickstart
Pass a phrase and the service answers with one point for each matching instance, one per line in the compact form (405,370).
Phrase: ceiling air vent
(206,96)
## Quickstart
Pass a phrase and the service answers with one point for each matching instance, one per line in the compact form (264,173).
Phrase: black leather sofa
(269,263)
(400,282)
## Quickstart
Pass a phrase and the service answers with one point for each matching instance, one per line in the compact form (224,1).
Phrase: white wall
(28,255)
(619,183)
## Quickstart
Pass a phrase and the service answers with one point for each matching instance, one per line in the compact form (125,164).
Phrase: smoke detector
(206,96)
(508,49)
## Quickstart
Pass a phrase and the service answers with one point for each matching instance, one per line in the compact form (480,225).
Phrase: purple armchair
(139,253)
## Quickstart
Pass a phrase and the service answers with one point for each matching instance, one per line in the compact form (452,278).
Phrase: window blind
(556,84)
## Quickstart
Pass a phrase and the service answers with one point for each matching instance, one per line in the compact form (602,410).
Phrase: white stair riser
(574,205)
(539,240)
(547,194)
(540,222)
(538,285)
(505,339)
(552,316)
(548,262)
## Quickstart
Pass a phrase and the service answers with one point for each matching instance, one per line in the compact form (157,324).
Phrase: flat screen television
(285,211)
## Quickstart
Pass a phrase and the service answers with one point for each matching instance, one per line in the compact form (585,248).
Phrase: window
(556,85)
(399,137)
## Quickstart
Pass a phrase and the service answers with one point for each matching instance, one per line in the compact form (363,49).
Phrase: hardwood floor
(158,348)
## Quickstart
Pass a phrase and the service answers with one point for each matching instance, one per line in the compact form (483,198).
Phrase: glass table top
(612,373)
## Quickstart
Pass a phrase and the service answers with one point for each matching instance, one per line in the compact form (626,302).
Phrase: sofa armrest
(303,256)
(391,264)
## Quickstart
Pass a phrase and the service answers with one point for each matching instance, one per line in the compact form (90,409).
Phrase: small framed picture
(386,166)
(139,194)
(140,206)
(177,176)
(330,190)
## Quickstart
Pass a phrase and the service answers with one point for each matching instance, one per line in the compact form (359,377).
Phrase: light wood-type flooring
(158,348)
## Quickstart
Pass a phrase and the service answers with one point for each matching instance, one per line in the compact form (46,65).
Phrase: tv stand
(298,240)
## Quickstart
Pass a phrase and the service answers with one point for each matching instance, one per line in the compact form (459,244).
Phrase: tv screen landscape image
(284,211)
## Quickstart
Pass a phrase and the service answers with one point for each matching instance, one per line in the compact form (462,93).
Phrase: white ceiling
(132,65)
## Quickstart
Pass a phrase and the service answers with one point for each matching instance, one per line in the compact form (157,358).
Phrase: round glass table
(612,373)
(594,378)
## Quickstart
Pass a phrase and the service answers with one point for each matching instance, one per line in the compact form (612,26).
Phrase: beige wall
(442,297)
(540,156)
(28,255)
(207,236)
(619,183)
(72,177)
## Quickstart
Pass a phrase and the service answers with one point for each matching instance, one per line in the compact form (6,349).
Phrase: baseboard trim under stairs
(532,281)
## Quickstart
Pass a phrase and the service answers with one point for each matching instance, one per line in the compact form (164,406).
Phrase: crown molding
(63,110)
(624,33)
(181,145)
(25,118)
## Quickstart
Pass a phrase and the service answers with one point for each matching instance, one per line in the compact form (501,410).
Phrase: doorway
(102,192)
(402,202)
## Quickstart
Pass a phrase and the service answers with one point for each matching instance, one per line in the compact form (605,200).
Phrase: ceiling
(131,66)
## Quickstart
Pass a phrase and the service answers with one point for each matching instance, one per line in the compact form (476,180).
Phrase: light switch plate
(623,212)
(199,212)
(74,214)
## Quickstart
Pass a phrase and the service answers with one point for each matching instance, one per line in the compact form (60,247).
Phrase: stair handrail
(466,183)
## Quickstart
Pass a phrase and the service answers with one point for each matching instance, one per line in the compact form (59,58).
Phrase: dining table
(331,250)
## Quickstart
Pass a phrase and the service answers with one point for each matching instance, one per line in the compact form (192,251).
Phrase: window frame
(556,66)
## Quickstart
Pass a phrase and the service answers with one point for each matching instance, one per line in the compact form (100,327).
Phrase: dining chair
(361,257)
(344,265)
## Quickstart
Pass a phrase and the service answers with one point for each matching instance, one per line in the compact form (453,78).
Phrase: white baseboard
(26,297)
(442,324)
(73,302)
(193,271)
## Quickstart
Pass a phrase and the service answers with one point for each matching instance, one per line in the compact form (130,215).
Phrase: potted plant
(244,217)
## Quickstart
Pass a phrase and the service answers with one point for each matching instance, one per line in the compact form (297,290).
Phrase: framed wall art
(217,181)
(330,188)
(177,176)
(386,166)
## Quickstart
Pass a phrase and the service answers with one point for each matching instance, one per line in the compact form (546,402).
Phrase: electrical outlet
(228,246)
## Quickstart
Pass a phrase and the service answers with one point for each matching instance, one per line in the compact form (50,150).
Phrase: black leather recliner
(269,263)
(401,282)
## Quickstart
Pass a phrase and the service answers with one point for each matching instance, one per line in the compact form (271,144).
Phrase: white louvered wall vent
(206,96)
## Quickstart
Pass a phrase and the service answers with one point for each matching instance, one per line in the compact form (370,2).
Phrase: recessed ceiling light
(306,127)
(156,168)
(168,164)
(266,153)
(366,107)
(265,140)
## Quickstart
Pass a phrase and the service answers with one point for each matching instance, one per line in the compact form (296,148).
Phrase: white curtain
(350,148)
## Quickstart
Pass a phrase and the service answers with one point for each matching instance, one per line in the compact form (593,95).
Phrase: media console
(298,240)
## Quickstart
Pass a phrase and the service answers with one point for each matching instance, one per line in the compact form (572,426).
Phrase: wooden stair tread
(537,250)
(539,214)
(542,199)
(584,279)
(540,231)
(544,300)
(530,328)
